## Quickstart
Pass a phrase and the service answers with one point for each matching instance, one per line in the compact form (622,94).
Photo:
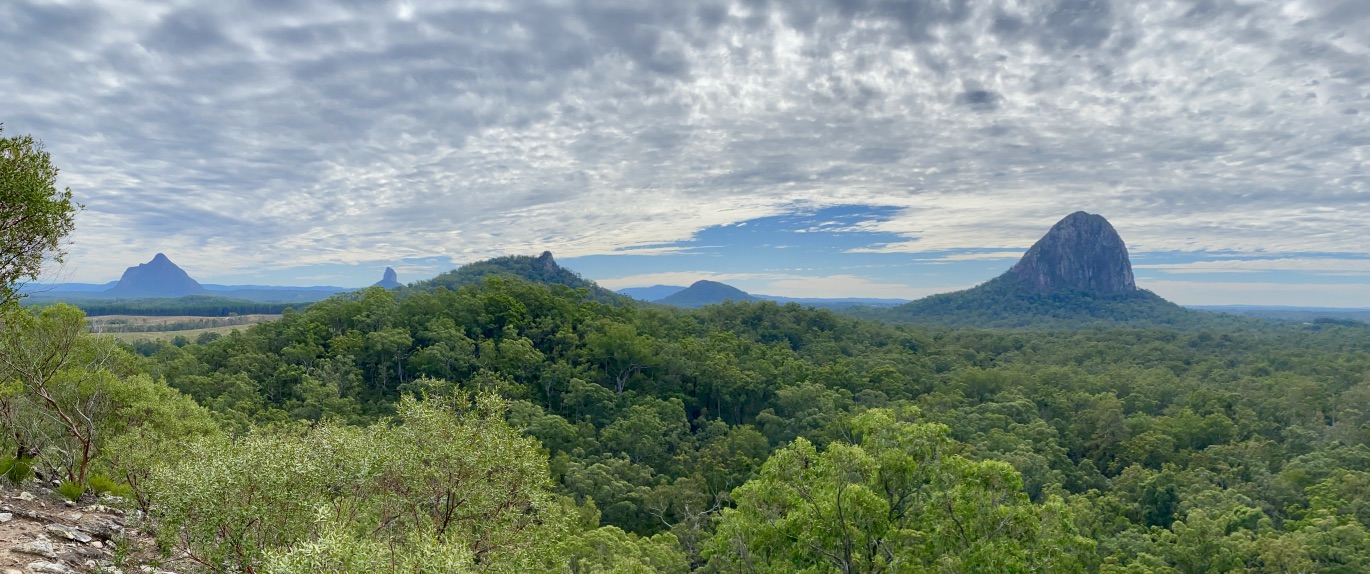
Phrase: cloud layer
(279,134)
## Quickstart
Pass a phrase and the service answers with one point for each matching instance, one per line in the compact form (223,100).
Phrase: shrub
(71,490)
(448,484)
(100,484)
(17,470)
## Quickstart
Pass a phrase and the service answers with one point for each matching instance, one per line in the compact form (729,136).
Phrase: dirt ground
(42,533)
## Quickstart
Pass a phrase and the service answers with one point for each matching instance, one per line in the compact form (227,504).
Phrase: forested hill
(732,430)
(702,293)
(1004,302)
(540,269)
(1078,275)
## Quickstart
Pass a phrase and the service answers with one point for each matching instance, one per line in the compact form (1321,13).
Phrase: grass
(130,328)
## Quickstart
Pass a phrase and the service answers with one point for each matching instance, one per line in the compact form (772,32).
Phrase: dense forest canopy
(1098,448)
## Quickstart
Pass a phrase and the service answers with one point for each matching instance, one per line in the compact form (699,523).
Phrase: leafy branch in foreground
(446,486)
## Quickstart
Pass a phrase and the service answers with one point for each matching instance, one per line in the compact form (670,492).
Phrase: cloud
(274,135)
(784,284)
(1319,266)
(840,286)
(1235,293)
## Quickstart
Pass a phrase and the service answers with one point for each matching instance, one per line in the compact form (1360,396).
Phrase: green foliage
(34,214)
(1147,442)
(75,398)
(898,501)
(1001,302)
(100,484)
(336,549)
(520,268)
(292,499)
(16,469)
(609,550)
(71,490)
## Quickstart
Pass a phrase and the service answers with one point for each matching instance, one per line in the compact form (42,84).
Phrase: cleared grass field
(129,328)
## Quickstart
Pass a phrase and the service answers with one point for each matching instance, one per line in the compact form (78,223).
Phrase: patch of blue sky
(801,242)
(833,241)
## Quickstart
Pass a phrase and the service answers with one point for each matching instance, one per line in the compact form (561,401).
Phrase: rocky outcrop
(389,280)
(1081,253)
(157,278)
(547,264)
(66,537)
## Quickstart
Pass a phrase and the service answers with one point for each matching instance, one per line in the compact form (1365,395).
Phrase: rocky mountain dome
(157,278)
(1081,252)
(390,280)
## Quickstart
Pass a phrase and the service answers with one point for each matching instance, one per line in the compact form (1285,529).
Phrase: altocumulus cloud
(291,133)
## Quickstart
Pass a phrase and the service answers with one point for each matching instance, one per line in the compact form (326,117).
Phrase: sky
(808,148)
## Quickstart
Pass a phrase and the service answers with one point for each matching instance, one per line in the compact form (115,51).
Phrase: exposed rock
(41,567)
(1081,252)
(157,278)
(25,496)
(102,527)
(38,547)
(389,280)
(6,517)
(548,264)
(69,533)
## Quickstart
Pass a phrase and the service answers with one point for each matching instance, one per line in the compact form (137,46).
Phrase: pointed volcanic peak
(157,278)
(1080,253)
(703,293)
(541,269)
(389,280)
(1077,275)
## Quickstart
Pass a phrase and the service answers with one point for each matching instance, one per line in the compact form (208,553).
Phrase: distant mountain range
(161,278)
(1077,274)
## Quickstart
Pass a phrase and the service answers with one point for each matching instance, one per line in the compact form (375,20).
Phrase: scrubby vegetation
(482,422)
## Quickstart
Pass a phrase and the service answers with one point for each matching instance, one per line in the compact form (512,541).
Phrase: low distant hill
(157,278)
(1289,313)
(705,292)
(834,303)
(653,293)
(656,294)
(540,269)
(1077,274)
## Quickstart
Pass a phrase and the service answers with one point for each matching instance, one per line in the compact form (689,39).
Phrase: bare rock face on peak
(546,262)
(1077,275)
(390,280)
(1082,253)
(157,278)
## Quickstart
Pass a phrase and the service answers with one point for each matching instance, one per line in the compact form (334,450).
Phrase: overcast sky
(800,147)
